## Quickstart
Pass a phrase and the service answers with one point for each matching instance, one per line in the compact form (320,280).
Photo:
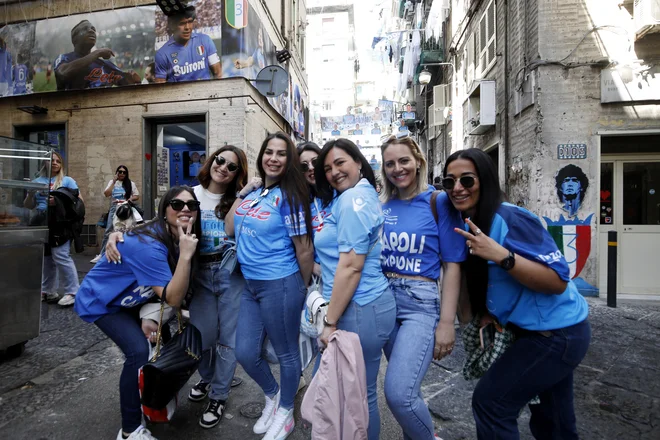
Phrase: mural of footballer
(187,55)
(84,69)
(571,183)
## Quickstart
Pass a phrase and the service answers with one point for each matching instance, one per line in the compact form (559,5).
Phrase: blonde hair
(59,176)
(389,191)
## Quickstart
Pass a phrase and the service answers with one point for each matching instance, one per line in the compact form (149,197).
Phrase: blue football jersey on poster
(191,62)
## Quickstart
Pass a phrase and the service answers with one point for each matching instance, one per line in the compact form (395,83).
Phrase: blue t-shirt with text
(191,62)
(109,287)
(263,235)
(521,232)
(41,197)
(355,223)
(413,244)
(319,214)
(99,73)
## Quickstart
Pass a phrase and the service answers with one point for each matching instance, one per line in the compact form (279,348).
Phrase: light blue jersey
(20,79)
(192,62)
(354,223)
(41,197)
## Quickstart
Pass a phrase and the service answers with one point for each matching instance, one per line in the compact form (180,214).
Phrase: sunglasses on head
(306,166)
(220,161)
(178,205)
(122,172)
(449,183)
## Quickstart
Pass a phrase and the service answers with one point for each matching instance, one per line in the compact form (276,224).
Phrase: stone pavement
(65,385)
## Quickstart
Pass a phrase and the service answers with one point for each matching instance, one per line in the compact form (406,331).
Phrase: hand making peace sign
(481,245)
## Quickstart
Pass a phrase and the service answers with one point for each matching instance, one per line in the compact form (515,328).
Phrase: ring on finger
(471,251)
(477,232)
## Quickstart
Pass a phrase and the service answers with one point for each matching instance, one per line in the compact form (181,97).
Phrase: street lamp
(424,77)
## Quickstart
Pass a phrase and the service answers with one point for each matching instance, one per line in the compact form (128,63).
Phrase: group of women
(379,261)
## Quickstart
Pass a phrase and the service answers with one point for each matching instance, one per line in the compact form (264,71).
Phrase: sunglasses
(306,166)
(449,183)
(220,161)
(121,172)
(178,205)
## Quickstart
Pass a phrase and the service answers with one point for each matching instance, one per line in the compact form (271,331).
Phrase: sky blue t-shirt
(521,232)
(263,235)
(108,287)
(319,214)
(413,244)
(355,223)
(191,62)
(41,198)
(20,79)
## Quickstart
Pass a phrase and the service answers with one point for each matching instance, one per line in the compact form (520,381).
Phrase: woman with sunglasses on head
(349,249)
(118,189)
(415,248)
(216,293)
(156,260)
(273,229)
(518,277)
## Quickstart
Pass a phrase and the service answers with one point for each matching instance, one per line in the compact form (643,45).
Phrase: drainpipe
(507,146)
(283,26)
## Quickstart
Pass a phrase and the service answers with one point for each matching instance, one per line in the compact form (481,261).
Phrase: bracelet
(328,324)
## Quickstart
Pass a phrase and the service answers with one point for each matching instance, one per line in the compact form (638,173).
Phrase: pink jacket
(336,401)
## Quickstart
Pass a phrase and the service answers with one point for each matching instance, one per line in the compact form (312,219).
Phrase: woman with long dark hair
(272,221)
(118,189)
(517,278)
(308,152)
(416,246)
(156,260)
(216,293)
(349,249)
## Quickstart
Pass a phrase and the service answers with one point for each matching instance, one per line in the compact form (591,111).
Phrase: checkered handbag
(478,360)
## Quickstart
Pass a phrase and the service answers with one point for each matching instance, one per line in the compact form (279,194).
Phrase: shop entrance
(176,148)
(630,205)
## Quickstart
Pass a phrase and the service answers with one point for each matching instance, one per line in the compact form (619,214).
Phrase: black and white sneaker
(199,391)
(212,413)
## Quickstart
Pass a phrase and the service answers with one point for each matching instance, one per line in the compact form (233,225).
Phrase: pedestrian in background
(272,221)
(59,270)
(516,277)
(415,246)
(216,293)
(349,249)
(118,189)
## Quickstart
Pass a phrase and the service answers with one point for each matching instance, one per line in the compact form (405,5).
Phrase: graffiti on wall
(571,184)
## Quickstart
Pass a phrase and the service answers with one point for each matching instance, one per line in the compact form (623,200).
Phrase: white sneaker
(267,415)
(282,425)
(95,259)
(67,300)
(141,433)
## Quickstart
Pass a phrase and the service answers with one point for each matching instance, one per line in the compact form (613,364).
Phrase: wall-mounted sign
(571,151)
(627,85)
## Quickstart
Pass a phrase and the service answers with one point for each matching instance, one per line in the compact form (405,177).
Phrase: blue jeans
(124,329)
(214,311)
(409,352)
(272,307)
(59,268)
(108,228)
(534,365)
(373,323)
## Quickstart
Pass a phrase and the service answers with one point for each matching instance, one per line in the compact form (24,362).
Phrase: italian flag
(573,238)
(236,13)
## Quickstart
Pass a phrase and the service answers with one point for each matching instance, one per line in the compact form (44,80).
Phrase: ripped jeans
(214,311)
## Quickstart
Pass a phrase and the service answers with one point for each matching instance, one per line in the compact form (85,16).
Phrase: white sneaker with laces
(141,433)
(267,415)
(95,259)
(282,425)
(67,300)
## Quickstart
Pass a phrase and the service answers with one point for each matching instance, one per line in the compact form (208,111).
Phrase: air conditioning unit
(646,14)
(481,107)
(440,104)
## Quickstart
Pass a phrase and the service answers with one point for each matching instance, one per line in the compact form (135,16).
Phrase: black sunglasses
(305,165)
(449,183)
(122,172)
(220,161)
(178,205)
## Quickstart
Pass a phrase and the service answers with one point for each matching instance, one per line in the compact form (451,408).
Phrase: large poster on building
(212,39)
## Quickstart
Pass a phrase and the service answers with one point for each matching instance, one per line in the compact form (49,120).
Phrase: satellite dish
(272,81)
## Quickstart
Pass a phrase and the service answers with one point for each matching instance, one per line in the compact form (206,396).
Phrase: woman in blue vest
(273,229)
(517,276)
(156,260)
(414,246)
(349,249)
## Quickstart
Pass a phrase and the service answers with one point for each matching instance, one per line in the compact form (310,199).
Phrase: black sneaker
(199,391)
(212,413)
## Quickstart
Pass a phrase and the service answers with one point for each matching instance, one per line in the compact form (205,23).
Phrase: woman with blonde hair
(417,240)
(58,255)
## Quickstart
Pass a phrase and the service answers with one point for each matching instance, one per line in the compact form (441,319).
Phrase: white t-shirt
(213,229)
(118,192)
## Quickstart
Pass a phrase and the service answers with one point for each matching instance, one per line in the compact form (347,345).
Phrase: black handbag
(172,365)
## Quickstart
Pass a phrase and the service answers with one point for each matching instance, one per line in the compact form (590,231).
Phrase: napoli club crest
(573,238)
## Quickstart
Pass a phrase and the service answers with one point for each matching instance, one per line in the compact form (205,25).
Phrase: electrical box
(481,107)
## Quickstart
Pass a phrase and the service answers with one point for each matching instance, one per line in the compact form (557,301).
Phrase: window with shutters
(484,36)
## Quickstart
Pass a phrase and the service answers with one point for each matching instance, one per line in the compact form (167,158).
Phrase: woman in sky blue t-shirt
(149,266)
(273,229)
(308,153)
(349,249)
(517,277)
(414,246)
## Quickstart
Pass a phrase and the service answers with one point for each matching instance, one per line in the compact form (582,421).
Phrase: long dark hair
(158,228)
(490,199)
(323,188)
(309,146)
(293,184)
(126,183)
(235,186)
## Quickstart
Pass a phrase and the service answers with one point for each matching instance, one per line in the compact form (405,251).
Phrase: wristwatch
(508,262)
(328,324)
